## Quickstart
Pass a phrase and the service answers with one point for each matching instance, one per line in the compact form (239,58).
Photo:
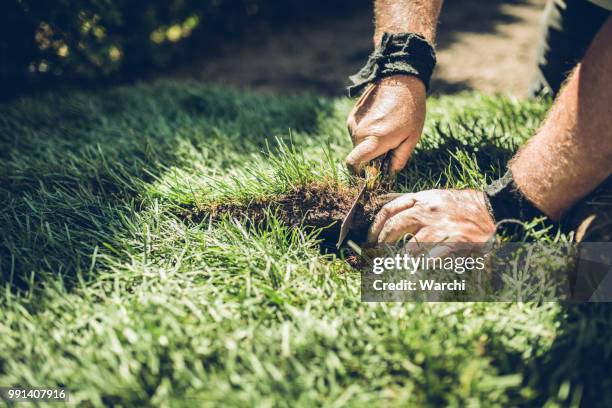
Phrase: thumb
(365,151)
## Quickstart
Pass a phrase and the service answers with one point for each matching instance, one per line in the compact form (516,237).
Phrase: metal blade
(348,220)
(378,171)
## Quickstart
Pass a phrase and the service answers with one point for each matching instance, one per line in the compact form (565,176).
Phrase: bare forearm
(400,16)
(572,152)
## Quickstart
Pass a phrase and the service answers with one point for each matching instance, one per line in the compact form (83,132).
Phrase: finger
(428,235)
(365,151)
(440,247)
(388,210)
(425,242)
(402,153)
(442,251)
(415,247)
(398,226)
(419,243)
(385,198)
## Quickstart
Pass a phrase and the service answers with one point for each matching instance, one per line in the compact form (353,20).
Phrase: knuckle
(414,219)
(373,138)
(351,124)
(432,208)
(385,212)
(361,132)
(392,225)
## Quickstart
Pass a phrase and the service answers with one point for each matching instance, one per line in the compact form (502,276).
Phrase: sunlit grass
(108,292)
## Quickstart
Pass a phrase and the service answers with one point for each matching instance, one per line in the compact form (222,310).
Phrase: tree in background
(87,40)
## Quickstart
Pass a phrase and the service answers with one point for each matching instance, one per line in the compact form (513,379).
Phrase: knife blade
(348,219)
(378,171)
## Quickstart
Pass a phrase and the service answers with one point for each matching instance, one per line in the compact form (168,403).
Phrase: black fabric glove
(397,54)
(507,203)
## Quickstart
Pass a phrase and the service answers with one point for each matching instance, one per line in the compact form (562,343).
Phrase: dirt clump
(317,205)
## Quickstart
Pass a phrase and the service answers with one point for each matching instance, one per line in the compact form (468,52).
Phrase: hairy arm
(572,152)
(400,16)
(390,114)
(570,155)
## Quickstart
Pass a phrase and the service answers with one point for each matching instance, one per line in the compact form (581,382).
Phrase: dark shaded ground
(488,46)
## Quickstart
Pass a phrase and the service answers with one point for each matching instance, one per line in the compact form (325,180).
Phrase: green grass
(105,290)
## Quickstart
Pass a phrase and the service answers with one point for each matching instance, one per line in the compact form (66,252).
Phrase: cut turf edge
(318,205)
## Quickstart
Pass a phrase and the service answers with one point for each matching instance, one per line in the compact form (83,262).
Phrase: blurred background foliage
(101,41)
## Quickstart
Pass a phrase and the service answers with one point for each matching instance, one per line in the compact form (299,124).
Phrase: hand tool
(376,173)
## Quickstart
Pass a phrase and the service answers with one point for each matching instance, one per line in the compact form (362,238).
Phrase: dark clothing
(591,218)
(591,222)
(568,28)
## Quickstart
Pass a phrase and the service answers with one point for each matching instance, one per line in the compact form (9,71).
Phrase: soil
(483,45)
(315,206)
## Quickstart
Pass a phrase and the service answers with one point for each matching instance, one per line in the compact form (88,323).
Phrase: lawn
(116,285)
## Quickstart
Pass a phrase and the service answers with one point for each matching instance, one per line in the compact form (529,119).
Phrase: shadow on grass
(450,161)
(75,165)
(576,370)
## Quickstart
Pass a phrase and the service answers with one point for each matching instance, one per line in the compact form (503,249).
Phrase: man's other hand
(434,216)
(389,115)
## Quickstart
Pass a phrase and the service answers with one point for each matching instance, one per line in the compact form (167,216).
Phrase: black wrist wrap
(507,203)
(397,54)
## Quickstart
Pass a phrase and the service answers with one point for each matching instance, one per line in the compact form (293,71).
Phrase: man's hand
(389,115)
(433,216)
